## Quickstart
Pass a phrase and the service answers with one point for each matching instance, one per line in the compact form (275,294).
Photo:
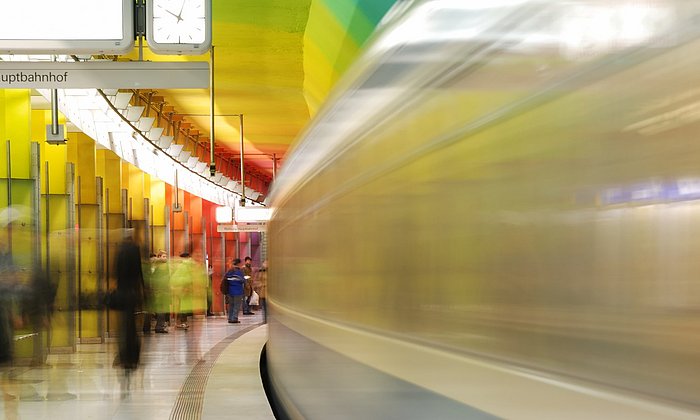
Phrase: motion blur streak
(496,214)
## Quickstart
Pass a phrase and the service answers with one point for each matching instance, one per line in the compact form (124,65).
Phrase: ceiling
(275,62)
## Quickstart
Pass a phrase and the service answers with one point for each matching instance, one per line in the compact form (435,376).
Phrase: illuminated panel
(224,215)
(70,27)
(253,214)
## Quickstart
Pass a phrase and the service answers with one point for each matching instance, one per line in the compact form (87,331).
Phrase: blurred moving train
(497,214)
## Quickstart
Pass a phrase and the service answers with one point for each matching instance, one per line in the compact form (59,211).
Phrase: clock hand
(176,16)
(179,15)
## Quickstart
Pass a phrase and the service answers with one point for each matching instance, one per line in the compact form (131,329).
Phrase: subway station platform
(209,371)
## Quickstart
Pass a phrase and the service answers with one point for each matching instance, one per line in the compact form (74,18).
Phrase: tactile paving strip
(190,400)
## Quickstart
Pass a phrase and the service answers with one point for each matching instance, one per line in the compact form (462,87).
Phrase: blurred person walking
(235,281)
(248,285)
(260,287)
(210,275)
(38,305)
(147,268)
(200,286)
(11,292)
(128,300)
(160,279)
(182,290)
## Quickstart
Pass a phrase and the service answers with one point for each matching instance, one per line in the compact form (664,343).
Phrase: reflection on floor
(85,385)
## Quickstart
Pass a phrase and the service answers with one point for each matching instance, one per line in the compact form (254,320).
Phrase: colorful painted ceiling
(275,62)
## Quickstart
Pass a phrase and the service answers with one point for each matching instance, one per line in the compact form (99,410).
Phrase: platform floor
(210,371)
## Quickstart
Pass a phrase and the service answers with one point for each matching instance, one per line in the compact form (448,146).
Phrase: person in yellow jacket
(188,282)
(160,280)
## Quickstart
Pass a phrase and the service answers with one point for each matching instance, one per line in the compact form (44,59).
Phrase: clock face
(179,21)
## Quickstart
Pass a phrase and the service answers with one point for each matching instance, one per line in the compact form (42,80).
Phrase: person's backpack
(223,287)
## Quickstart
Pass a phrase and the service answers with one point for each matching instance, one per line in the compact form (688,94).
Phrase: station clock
(178,26)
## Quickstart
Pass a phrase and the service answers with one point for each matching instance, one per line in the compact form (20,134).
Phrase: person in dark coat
(260,286)
(235,281)
(248,285)
(8,285)
(130,289)
(38,306)
(147,270)
(11,293)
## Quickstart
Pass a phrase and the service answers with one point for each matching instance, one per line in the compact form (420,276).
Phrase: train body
(497,214)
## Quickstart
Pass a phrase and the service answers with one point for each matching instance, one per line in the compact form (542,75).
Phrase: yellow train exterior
(497,214)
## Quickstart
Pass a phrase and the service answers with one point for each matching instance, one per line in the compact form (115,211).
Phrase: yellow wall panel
(17,130)
(73,147)
(55,155)
(3,135)
(86,167)
(158,201)
(147,185)
(136,189)
(112,180)
(82,149)
(100,163)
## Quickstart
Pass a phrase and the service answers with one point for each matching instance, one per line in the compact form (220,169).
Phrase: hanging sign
(67,27)
(248,227)
(104,75)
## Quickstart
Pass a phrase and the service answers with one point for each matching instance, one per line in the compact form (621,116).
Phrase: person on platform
(182,287)
(11,292)
(248,285)
(130,298)
(260,287)
(235,281)
(147,269)
(210,275)
(160,278)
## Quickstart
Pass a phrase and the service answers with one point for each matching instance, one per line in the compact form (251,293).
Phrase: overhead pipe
(240,118)
(212,162)
(54,112)
(274,166)
(140,24)
(9,196)
(176,206)
(54,109)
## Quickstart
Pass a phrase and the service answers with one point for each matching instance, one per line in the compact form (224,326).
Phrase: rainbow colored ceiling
(275,62)
(335,34)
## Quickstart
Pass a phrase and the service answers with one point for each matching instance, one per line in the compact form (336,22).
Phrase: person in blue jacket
(234,278)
